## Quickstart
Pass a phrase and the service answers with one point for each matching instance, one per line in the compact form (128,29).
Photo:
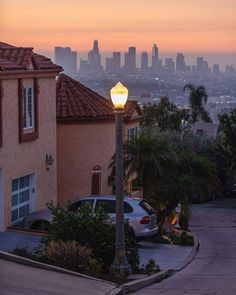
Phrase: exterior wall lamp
(49,161)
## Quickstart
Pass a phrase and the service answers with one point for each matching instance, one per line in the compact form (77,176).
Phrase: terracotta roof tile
(14,58)
(77,102)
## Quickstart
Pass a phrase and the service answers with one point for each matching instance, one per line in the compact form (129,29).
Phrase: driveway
(213,271)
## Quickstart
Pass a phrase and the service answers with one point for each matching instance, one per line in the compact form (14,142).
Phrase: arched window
(96,174)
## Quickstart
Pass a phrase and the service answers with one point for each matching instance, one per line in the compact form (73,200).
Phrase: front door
(96,180)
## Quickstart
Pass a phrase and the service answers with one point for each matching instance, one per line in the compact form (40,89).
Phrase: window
(74,206)
(136,185)
(109,206)
(199,132)
(146,207)
(28,111)
(21,199)
(132,133)
(127,208)
(28,108)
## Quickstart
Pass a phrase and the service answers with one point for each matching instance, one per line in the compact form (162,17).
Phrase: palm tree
(197,102)
(149,159)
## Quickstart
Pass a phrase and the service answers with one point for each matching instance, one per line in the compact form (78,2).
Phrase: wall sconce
(49,161)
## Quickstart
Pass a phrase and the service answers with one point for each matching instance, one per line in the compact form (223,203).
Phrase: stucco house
(86,139)
(27,133)
(205,129)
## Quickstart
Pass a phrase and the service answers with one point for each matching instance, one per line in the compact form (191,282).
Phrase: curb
(147,281)
(191,256)
(155,278)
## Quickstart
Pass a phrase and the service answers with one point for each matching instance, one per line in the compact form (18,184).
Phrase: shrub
(67,254)
(24,252)
(150,268)
(92,230)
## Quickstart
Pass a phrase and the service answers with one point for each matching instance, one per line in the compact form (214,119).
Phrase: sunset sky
(187,25)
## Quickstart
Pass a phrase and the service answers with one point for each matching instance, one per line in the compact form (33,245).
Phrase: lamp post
(119,95)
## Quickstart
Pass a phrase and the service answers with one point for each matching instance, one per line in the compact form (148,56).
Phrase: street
(213,271)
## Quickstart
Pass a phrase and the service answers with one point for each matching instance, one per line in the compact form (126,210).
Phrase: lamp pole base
(120,268)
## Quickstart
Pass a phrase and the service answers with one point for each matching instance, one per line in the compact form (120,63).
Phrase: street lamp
(119,95)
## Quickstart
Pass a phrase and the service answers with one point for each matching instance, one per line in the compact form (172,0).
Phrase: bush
(67,254)
(25,252)
(92,230)
(150,268)
(183,239)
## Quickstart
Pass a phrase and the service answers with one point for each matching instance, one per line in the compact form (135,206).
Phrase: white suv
(140,215)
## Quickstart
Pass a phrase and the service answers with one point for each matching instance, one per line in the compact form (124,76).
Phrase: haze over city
(188,26)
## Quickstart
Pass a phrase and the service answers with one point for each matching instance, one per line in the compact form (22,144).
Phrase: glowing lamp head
(119,95)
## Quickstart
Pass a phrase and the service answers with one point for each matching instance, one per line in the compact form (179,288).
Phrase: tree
(228,124)
(164,116)
(148,158)
(169,170)
(197,102)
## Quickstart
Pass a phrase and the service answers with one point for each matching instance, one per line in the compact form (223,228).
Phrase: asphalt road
(213,271)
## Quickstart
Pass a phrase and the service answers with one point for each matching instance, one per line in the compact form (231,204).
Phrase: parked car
(230,191)
(140,215)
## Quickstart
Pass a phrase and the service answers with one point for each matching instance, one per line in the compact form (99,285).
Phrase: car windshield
(146,207)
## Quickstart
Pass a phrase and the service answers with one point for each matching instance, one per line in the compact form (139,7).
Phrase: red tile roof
(77,102)
(14,58)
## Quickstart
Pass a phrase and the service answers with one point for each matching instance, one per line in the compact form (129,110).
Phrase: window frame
(31,133)
(132,133)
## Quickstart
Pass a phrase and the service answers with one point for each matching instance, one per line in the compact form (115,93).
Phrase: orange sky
(186,25)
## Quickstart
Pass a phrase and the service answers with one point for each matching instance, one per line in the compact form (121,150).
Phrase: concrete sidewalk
(167,256)
(10,240)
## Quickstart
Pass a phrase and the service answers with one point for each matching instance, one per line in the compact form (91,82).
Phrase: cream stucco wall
(20,159)
(79,148)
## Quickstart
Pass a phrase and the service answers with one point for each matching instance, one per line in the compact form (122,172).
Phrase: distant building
(155,62)
(205,129)
(92,67)
(144,62)
(66,58)
(180,63)
(216,70)
(112,64)
(202,66)
(116,61)
(194,69)
(130,61)
(94,57)
(230,70)
(169,65)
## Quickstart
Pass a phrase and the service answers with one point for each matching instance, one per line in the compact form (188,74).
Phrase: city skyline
(173,25)
(190,58)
